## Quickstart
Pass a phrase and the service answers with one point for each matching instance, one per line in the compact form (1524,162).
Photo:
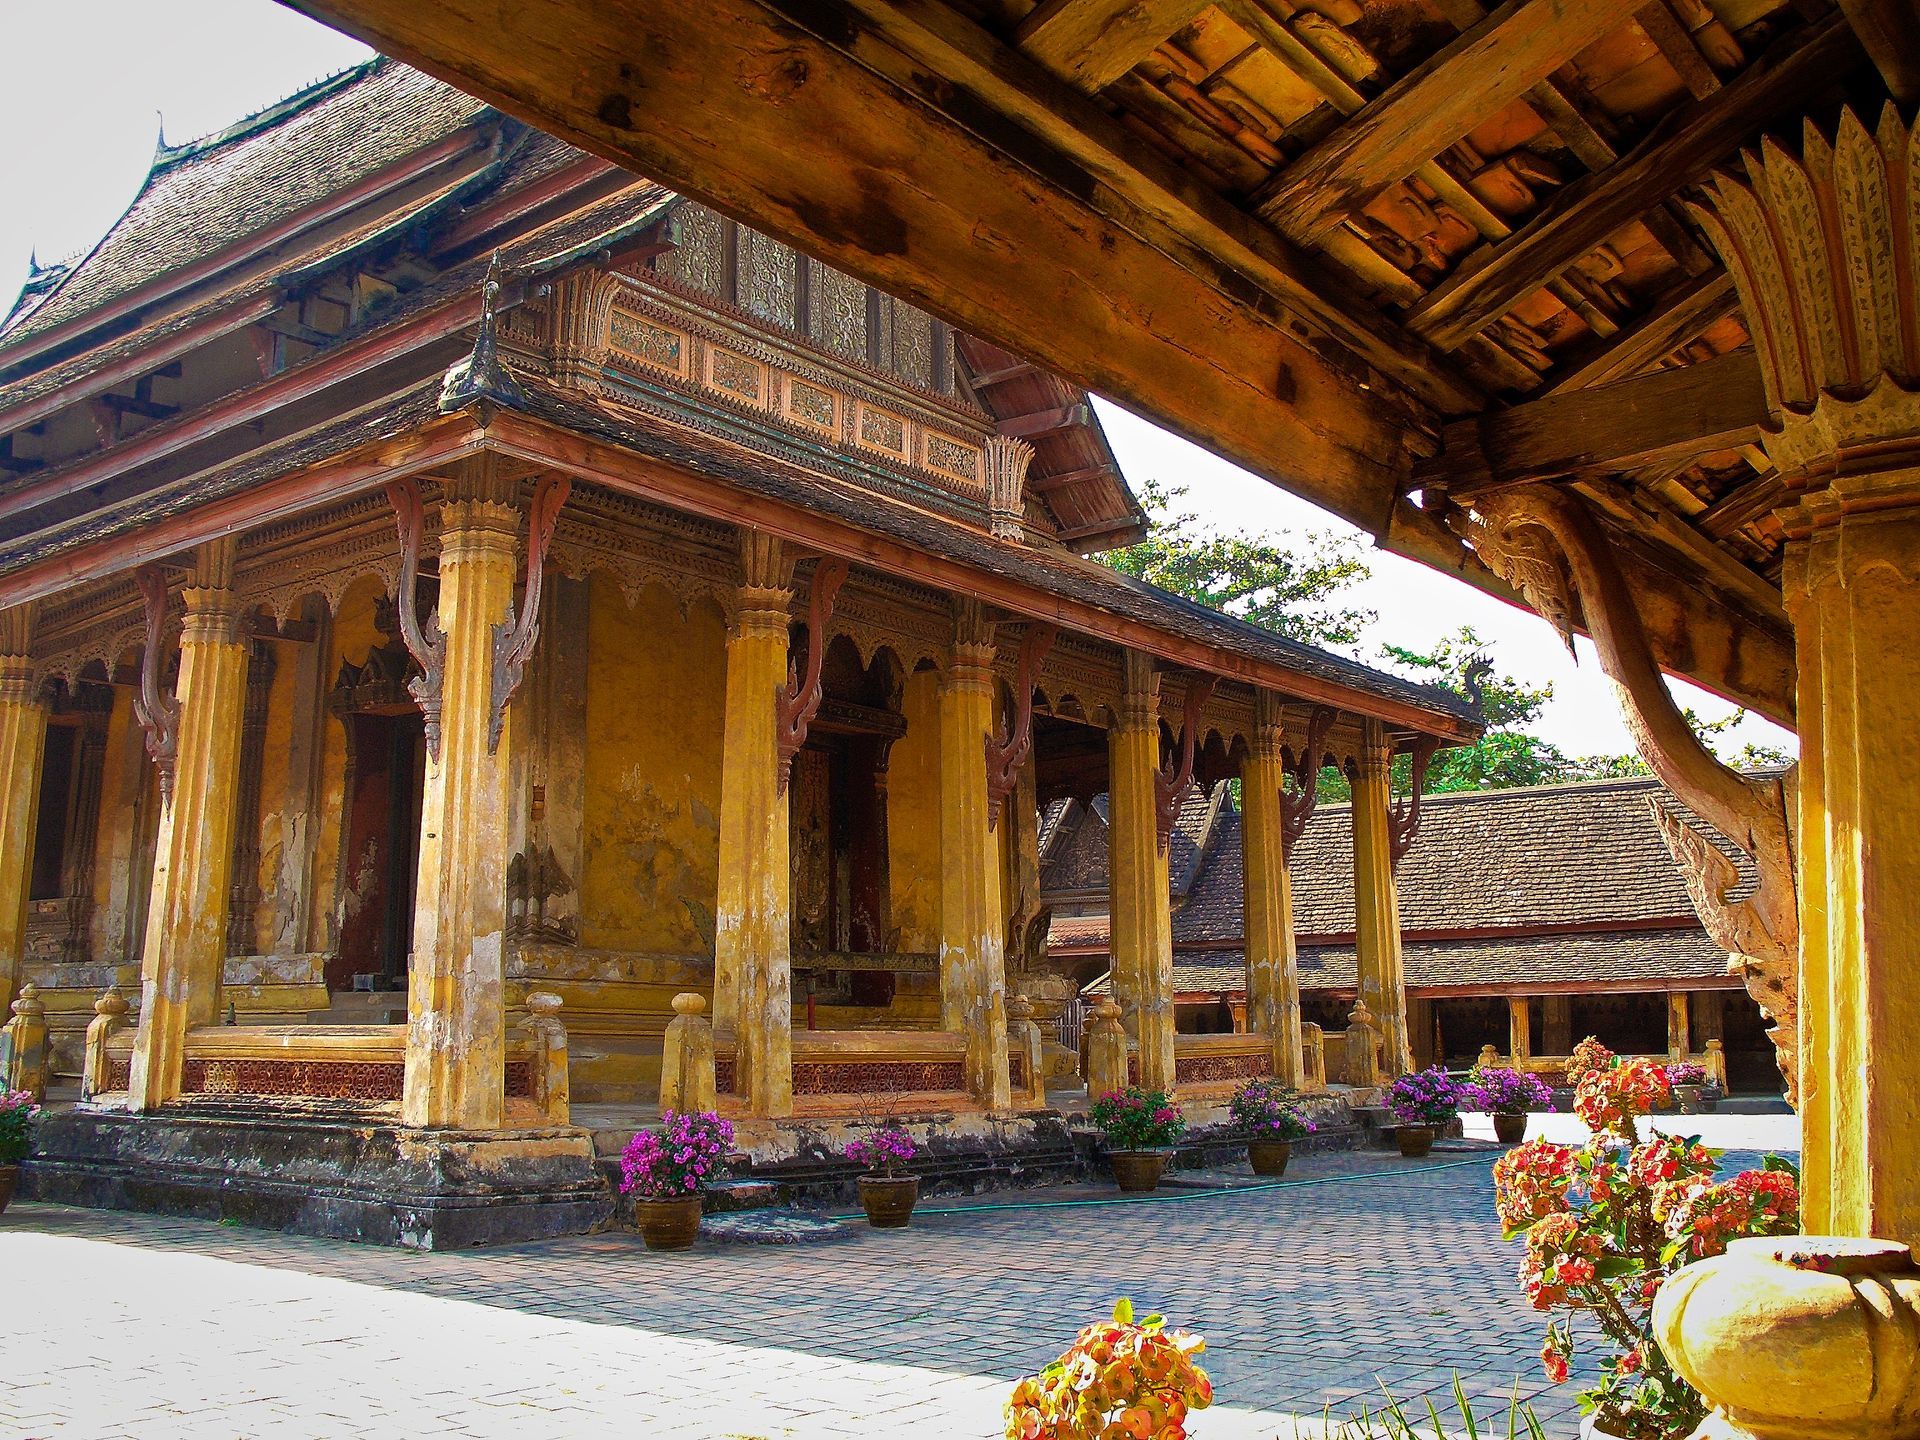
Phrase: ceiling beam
(1668,414)
(1497,61)
(1679,319)
(1091,43)
(1890,32)
(1032,222)
(1782,84)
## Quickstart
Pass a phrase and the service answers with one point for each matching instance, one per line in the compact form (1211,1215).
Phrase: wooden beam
(1678,320)
(1497,61)
(1052,237)
(1091,43)
(1782,84)
(1039,423)
(1889,30)
(1676,45)
(1714,405)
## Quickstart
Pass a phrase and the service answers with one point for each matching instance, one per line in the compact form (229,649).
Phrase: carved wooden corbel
(1007,752)
(157,711)
(1170,786)
(1543,541)
(1296,807)
(426,644)
(515,636)
(800,698)
(1403,815)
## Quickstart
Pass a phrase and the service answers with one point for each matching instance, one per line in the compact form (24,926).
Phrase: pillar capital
(1007,460)
(1139,692)
(1269,738)
(763,603)
(20,681)
(1373,756)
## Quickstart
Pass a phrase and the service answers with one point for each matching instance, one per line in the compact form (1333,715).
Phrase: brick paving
(1371,1270)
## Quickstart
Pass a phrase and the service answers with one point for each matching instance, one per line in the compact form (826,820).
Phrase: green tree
(1290,585)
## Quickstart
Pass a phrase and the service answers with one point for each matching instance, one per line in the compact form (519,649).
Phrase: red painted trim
(405,172)
(570,177)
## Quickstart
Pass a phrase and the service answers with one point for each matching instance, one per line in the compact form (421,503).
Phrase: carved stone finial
(689,1002)
(481,379)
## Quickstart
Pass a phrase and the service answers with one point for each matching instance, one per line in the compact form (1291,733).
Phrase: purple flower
(671,1161)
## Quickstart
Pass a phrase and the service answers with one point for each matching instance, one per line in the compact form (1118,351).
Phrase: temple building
(1530,919)
(479,632)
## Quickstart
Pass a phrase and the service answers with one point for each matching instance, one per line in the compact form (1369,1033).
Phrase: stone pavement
(1364,1270)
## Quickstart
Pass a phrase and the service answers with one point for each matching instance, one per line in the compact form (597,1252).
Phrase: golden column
(23,735)
(1142,924)
(973,968)
(1376,901)
(456,1000)
(186,944)
(1273,976)
(752,957)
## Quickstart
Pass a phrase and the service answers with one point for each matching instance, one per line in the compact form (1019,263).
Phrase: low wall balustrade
(1219,1063)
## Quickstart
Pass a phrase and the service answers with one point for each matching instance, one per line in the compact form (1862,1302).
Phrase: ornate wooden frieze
(581,325)
(876,1077)
(954,458)
(1296,806)
(321,553)
(800,697)
(637,543)
(96,625)
(1080,680)
(651,344)
(1216,1069)
(1171,783)
(427,643)
(1403,815)
(879,612)
(1008,751)
(157,711)
(515,636)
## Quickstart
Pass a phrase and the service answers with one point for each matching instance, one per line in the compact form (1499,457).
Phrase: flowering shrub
(1507,1092)
(1588,1055)
(1265,1109)
(1118,1381)
(883,1151)
(1136,1119)
(1431,1097)
(1685,1072)
(17,1113)
(1606,1222)
(674,1160)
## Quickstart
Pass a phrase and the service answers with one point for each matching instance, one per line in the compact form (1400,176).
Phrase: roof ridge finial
(481,379)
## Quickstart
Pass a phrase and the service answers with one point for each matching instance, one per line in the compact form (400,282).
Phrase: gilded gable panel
(913,344)
(837,312)
(769,279)
(699,261)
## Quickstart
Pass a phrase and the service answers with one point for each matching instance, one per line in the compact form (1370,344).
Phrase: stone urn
(1269,1157)
(889,1199)
(668,1224)
(1138,1170)
(1415,1140)
(1509,1129)
(1800,1338)
(9,1177)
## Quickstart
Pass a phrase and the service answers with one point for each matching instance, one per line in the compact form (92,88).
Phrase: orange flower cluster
(1118,1381)
(1706,1218)
(1562,1258)
(1589,1055)
(1612,1098)
(1531,1182)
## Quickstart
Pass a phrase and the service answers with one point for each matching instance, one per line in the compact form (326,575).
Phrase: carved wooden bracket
(800,697)
(157,712)
(514,637)
(1170,787)
(1403,817)
(1009,751)
(1296,808)
(426,644)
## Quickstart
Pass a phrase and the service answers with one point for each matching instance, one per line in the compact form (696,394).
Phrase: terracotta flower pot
(1269,1157)
(1510,1129)
(1688,1097)
(668,1224)
(9,1177)
(1138,1170)
(1592,1428)
(1415,1140)
(889,1199)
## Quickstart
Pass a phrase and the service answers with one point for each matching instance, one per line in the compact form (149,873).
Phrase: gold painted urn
(1799,1338)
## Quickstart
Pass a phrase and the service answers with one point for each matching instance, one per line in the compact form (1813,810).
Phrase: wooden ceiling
(1386,253)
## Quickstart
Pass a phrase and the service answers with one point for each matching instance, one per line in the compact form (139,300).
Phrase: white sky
(90,83)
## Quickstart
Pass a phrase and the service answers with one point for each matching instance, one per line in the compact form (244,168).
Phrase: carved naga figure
(1542,541)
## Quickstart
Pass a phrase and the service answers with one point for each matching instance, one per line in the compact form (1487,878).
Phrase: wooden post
(1383,985)
(1679,1037)
(1519,1029)
(1142,924)
(1557,1025)
(1273,976)
(23,734)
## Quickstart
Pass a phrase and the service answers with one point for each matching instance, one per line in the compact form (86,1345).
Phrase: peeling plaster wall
(656,691)
(123,777)
(913,817)
(354,637)
(281,818)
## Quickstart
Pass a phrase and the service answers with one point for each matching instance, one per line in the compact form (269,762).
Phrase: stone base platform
(346,1178)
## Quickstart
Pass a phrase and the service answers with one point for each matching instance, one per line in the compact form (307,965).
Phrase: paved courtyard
(1363,1270)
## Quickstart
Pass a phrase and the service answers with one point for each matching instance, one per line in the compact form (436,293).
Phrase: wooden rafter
(1092,43)
(1680,151)
(1678,319)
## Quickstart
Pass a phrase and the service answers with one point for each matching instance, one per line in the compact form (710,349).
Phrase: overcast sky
(92,83)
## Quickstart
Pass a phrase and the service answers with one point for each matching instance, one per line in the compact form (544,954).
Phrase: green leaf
(1123,1311)
(1466,1410)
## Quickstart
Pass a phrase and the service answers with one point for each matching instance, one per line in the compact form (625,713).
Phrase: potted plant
(1608,1221)
(887,1196)
(1509,1096)
(1688,1083)
(664,1168)
(17,1114)
(1139,1127)
(1266,1112)
(1119,1377)
(1423,1104)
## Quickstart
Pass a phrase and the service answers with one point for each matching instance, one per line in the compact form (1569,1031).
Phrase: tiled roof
(1607,957)
(200,198)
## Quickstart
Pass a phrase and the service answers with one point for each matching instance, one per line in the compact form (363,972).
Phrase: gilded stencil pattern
(648,343)
(735,374)
(883,431)
(950,457)
(810,403)
(769,285)
(876,1077)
